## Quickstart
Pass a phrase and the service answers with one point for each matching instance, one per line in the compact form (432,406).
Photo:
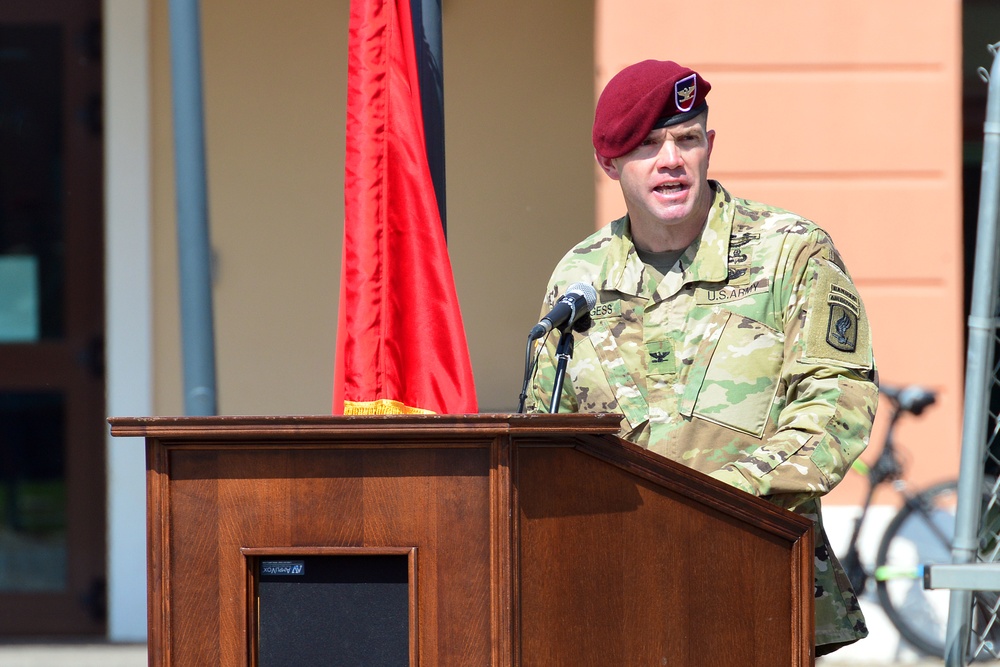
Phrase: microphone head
(568,309)
(585,290)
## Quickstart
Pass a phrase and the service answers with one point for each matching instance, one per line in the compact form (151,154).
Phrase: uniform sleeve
(828,380)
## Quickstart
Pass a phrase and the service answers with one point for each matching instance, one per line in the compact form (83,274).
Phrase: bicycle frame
(887,468)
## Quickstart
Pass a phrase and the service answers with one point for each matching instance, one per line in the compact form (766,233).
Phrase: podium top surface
(332,426)
(591,435)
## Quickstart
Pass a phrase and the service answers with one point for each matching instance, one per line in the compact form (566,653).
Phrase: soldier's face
(665,179)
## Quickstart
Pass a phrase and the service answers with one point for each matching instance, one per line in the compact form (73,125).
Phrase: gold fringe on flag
(383,406)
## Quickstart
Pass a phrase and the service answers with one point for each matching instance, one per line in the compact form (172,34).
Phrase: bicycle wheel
(919,534)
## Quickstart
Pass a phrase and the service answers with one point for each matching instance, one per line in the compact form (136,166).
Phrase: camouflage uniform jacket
(750,361)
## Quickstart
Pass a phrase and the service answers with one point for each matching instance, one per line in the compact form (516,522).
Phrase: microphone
(571,306)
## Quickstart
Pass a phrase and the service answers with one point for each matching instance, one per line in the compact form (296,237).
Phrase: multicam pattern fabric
(749,361)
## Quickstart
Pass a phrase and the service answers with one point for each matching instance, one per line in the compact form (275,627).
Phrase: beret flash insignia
(685,92)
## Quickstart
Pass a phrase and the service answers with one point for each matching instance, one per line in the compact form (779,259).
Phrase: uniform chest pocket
(734,378)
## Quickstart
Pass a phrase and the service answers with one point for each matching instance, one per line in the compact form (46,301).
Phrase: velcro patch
(606,310)
(836,326)
(740,257)
(661,357)
(726,293)
(842,327)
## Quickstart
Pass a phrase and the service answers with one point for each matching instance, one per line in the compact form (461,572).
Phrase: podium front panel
(221,501)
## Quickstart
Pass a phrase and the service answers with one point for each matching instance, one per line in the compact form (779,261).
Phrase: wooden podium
(500,540)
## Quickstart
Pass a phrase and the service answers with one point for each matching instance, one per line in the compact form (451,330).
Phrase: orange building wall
(848,113)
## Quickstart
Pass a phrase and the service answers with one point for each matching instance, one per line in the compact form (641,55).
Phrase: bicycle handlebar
(912,398)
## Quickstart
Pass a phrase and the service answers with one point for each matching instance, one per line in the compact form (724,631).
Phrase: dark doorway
(52,431)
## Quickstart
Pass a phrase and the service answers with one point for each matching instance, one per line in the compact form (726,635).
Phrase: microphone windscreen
(585,290)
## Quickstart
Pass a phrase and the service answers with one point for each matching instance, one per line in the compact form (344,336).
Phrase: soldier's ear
(608,165)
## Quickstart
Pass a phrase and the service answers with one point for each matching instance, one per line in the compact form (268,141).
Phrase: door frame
(128,302)
(74,362)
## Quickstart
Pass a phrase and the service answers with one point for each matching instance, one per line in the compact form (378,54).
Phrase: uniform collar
(706,259)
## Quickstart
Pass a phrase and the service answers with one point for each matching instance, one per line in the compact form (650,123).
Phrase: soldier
(727,333)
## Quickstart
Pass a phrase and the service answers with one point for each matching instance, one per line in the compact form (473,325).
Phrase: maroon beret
(644,96)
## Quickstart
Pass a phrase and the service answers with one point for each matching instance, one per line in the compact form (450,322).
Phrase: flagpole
(430,68)
(193,245)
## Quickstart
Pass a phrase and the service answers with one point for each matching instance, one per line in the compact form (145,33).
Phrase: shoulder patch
(842,326)
(836,325)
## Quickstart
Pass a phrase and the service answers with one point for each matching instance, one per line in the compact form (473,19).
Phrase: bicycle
(919,534)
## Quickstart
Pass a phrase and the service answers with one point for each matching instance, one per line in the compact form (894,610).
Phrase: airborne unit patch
(842,327)
(835,326)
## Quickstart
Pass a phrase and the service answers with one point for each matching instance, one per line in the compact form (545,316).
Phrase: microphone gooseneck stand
(564,352)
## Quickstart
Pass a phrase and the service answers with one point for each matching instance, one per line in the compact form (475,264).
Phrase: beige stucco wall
(274,75)
(845,113)
(518,105)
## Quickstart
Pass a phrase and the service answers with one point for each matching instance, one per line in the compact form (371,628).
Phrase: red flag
(401,345)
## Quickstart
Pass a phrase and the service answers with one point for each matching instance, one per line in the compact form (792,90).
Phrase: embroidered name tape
(606,310)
